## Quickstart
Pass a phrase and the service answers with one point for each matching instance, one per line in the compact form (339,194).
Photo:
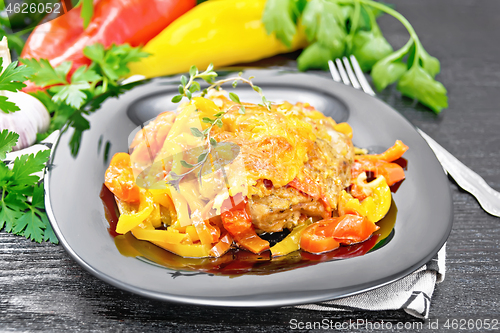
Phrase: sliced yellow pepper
(164,236)
(186,250)
(218,32)
(127,222)
(291,242)
(375,206)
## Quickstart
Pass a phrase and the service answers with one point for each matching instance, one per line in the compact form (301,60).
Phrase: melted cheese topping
(281,144)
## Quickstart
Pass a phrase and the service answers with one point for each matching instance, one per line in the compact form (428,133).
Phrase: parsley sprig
(69,100)
(186,89)
(21,193)
(12,79)
(335,28)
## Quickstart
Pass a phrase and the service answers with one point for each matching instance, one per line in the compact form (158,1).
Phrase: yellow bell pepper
(187,250)
(375,206)
(217,31)
(127,222)
(152,235)
(291,242)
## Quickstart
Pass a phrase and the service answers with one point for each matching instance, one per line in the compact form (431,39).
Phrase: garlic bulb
(32,118)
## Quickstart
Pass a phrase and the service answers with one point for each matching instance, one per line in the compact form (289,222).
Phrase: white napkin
(412,293)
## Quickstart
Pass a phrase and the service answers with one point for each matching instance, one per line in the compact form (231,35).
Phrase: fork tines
(349,73)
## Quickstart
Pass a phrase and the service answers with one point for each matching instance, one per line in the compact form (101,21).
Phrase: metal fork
(488,198)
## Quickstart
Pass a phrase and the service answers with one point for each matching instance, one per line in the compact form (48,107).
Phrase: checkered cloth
(412,293)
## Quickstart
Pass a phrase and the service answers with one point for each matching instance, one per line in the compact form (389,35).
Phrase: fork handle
(467,179)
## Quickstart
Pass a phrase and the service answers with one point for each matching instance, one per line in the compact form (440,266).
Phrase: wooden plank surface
(43,289)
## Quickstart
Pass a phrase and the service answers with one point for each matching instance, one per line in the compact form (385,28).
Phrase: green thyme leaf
(186,164)
(196,132)
(208,120)
(234,97)
(177,98)
(202,157)
(184,80)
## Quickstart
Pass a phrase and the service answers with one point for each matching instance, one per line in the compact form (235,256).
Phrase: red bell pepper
(327,235)
(119,178)
(239,224)
(390,154)
(50,39)
(379,165)
(114,22)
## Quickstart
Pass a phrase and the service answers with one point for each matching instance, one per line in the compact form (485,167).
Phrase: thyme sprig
(186,89)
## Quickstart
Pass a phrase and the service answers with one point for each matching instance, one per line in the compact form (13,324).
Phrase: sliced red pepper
(239,224)
(379,165)
(390,154)
(119,178)
(50,39)
(327,235)
(222,246)
(392,172)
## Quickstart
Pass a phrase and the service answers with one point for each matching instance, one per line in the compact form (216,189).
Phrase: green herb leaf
(213,142)
(193,71)
(83,74)
(7,141)
(8,216)
(186,164)
(242,110)
(196,132)
(46,75)
(390,69)
(17,213)
(7,106)
(202,157)
(429,63)
(234,97)
(219,123)
(257,89)
(207,120)
(323,22)
(184,80)
(12,77)
(386,72)
(71,94)
(278,17)
(195,86)
(315,56)
(112,62)
(418,84)
(94,52)
(25,166)
(177,98)
(87,12)
(369,47)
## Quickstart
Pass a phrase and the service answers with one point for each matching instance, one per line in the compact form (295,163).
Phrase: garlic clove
(32,118)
